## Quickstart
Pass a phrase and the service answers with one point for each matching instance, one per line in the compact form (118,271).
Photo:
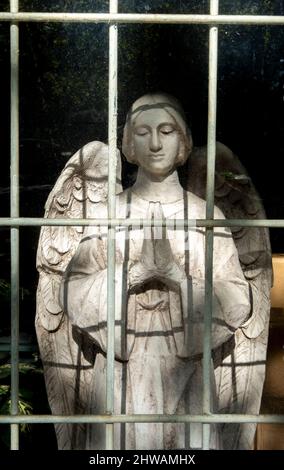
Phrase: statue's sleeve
(231,295)
(230,286)
(83,293)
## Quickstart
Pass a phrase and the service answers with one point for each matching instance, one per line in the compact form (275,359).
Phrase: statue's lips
(157,157)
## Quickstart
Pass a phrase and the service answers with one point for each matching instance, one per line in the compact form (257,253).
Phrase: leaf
(4,390)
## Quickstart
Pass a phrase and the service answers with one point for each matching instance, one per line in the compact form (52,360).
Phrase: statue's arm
(231,297)
(83,293)
(230,309)
(230,286)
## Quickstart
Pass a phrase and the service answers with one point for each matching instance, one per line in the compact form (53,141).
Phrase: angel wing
(66,359)
(240,364)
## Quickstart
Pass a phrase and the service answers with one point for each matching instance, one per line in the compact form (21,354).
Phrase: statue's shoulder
(123,197)
(98,210)
(195,200)
(197,207)
(123,201)
(128,204)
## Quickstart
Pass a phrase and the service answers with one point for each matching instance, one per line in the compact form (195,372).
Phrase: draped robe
(158,330)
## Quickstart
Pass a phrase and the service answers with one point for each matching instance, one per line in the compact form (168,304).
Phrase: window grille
(15,222)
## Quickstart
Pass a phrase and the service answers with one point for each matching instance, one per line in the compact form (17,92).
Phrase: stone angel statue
(159,289)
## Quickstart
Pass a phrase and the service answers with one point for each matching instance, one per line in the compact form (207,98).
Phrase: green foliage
(25,407)
(5,290)
(29,373)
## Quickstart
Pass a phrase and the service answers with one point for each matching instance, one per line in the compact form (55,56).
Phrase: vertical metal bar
(112,138)
(211,154)
(14,210)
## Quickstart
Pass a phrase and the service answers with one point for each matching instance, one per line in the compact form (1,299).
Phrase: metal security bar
(15,221)
(14,210)
(211,156)
(112,137)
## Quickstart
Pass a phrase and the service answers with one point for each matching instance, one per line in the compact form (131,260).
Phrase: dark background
(64,103)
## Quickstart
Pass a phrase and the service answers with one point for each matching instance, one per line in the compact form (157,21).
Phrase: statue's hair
(157,101)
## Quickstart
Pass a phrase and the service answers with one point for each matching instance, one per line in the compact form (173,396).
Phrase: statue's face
(156,141)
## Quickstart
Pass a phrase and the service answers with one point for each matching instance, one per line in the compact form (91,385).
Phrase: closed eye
(167,130)
(141,131)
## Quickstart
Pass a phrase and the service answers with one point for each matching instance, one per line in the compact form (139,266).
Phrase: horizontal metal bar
(142,18)
(151,418)
(22,348)
(169,223)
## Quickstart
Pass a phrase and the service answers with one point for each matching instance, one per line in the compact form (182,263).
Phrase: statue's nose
(155,142)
